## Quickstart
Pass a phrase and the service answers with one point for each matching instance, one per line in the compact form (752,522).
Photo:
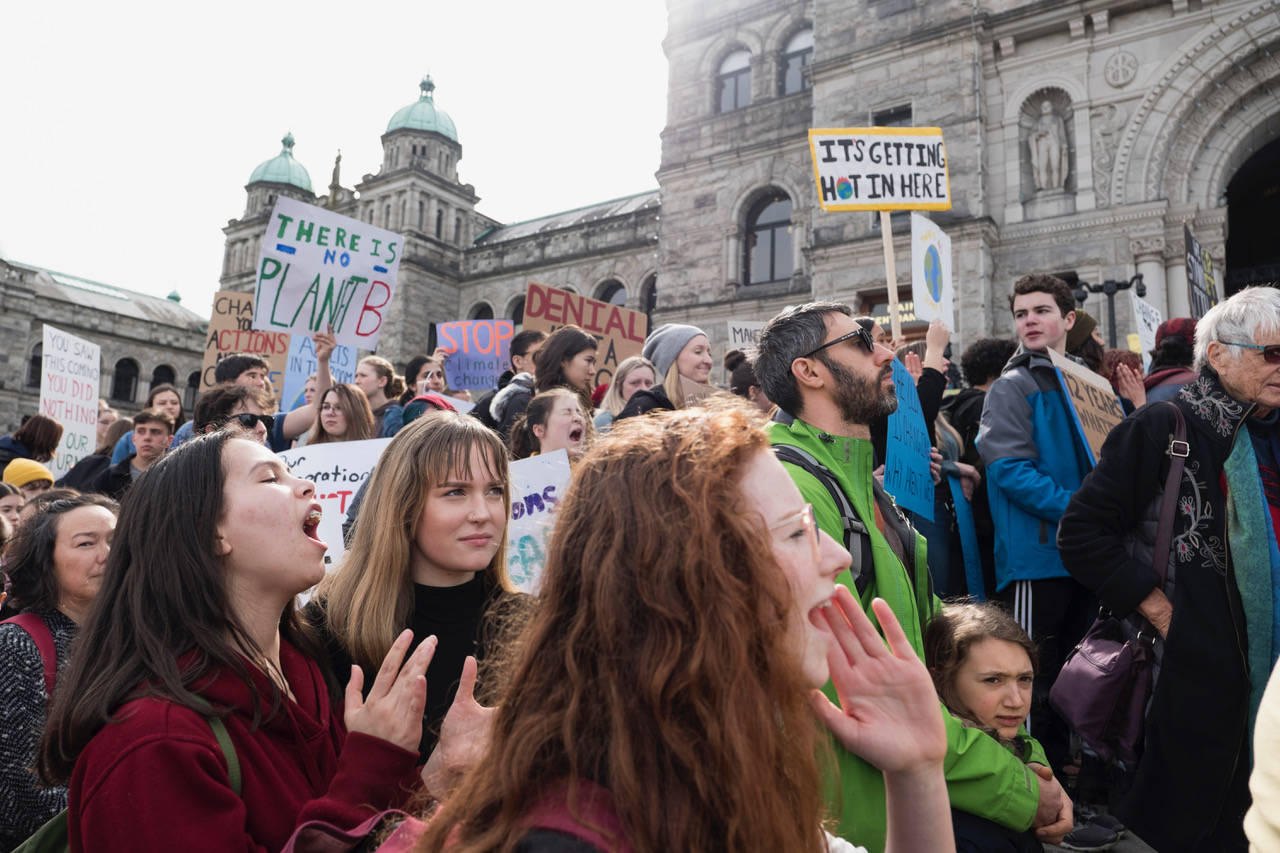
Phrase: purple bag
(1104,686)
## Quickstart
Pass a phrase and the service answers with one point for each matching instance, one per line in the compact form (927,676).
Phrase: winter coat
(11,449)
(114,480)
(1198,717)
(1165,383)
(983,778)
(1036,459)
(509,403)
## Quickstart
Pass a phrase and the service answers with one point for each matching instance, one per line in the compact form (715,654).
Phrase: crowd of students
(740,641)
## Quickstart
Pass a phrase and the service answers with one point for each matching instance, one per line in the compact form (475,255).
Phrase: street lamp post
(1110,287)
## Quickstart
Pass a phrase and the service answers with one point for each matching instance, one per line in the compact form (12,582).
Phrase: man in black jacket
(152,432)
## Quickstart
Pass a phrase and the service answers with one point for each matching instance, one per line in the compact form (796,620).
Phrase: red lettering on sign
(370,307)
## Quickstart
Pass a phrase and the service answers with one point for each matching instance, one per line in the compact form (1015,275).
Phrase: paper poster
(479,351)
(1146,317)
(969,548)
(318,268)
(744,334)
(537,484)
(338,469)
(302,362)
(1093,402)
(932,293)
(231,331)
(1202,280)
(70,385)
(906,468)
(620,331)
(880,168)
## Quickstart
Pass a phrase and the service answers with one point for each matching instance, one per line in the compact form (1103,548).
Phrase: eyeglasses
(805,519)
(1270,352)
(862,335)
(248,421)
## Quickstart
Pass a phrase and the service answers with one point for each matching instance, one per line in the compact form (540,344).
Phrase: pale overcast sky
(130,129)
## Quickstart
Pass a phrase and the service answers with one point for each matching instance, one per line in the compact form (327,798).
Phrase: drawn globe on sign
(843,188)
(933,273)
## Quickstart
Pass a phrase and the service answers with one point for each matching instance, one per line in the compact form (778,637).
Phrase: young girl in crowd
(663,694)
(382,388)
(163,397)
(196,621)
(11,501)
(54,567)
(554,420)
(679,352)
(636,373)
(983,665)
(427,553)
(344,416)
(567,358)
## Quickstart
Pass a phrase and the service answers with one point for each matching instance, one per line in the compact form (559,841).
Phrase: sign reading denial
(1093,402)
(231,331)
(70,375)
(317,269)
(621,331)
(880,168)
(478,350)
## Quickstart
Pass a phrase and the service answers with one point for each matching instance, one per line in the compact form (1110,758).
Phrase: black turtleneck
(453,614)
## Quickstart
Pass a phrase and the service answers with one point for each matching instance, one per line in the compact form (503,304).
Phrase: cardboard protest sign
(1147,318)
(694,392)
(479,351)
(621,331)
(231,331)
(70,379)
(317,268)
(1202,281)
(537,484)
(302,362)
(932,293)
(744,334)
(906,467)
(338,469)
(1093,403)
(880,168)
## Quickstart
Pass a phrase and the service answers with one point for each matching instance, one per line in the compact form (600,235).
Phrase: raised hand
(325,344)
(393,709)
(464,737)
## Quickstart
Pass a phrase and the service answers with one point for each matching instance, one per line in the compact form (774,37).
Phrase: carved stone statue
(1047,145)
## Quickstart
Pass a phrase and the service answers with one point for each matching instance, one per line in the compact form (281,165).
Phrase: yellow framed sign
(880,168)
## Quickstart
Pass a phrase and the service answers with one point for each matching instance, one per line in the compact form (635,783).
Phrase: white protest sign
(318,269)
(744,334)
(338,469)
(1147,318)
(880,168)
(537,484)
(70,376)
(932,292)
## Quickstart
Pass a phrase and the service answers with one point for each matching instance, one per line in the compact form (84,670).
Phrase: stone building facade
(1081,138)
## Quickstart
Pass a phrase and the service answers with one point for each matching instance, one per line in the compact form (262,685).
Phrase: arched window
(124,387)
(612,292)
(35,366)
(733,84)
(768,243)
(517,311)
(649,297)
(162,375)
(483,311)
(193,388)
(796,58)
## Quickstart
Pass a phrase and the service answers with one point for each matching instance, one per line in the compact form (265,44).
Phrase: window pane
(782,253)
(777,211)
(760,258)
(744,88)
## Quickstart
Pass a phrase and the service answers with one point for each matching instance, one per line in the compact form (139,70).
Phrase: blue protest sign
(478,350)
(302,362)
(968,541)
(906,467)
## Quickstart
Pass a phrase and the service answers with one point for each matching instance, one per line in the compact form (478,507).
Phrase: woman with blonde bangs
(636,373)
(428,553)
(663,695)
(344,416)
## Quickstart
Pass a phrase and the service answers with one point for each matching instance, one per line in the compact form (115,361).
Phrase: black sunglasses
(862,335)
(248,421)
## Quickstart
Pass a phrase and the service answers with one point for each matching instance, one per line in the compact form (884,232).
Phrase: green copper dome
(283,169)
(423,115)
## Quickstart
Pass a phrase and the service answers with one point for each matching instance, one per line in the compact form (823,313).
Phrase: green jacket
(983,778)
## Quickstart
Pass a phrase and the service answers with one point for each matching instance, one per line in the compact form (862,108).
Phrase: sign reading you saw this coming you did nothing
(880,168)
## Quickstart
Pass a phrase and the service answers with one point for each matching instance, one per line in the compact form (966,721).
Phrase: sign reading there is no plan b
(880,168)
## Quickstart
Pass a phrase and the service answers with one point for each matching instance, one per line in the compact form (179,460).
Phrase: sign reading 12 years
(880,168)
(319,269)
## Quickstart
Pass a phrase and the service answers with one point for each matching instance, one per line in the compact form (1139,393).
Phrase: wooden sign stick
(890,276)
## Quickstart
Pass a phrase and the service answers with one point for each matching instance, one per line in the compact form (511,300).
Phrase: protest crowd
(730,633)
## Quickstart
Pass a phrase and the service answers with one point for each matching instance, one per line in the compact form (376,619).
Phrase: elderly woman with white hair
(1216,613)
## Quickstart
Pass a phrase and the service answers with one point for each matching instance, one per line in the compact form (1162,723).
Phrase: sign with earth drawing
(931,288)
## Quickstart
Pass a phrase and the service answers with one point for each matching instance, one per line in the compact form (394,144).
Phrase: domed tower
(422,136)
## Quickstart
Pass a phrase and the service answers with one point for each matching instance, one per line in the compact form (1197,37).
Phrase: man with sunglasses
(1217,614)
(826,373)
(241,408)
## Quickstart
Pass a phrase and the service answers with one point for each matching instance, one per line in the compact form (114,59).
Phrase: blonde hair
(369,599)
(613,402)
(671,384)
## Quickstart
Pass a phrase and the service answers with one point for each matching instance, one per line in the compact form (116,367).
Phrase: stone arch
(783,29)
(514,304)
(604,287)
(741,38)
(480,310)
(1195,74)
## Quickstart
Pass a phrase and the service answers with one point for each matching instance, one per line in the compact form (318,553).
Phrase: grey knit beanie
(664,344)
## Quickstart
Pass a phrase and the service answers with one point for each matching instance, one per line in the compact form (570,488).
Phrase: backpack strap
(1177,451)
(43,637)
(856,539)
(223,737)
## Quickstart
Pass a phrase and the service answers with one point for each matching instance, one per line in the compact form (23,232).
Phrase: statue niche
(1047,153)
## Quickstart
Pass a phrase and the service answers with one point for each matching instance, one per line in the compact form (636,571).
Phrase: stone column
(1175,275)
(1148,256)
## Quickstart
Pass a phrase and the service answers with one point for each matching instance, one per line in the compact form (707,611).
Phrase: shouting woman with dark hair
(195,630)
